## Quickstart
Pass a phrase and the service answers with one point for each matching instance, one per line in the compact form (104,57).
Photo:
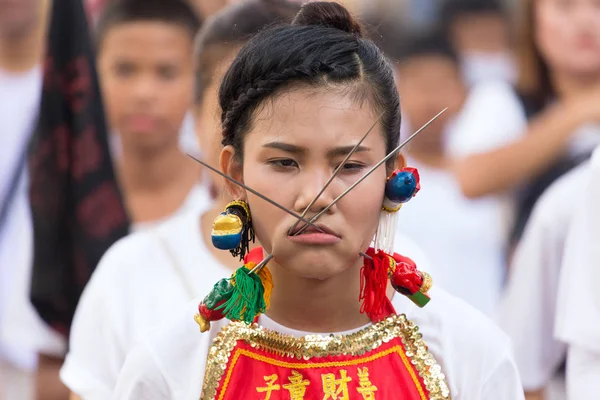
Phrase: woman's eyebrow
(335,152)
(345,150)
(287,147)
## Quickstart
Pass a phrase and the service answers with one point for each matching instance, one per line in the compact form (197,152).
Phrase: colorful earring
(401,186)
(383,264)
(402,273)
(241,297)
(232,230)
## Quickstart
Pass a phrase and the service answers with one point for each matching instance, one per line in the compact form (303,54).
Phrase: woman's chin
(315,265)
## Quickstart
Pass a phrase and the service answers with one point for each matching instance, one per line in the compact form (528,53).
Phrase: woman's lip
(311,229)
(316,238)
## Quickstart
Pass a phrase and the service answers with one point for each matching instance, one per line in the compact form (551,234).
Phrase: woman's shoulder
(144,246)
(468,345)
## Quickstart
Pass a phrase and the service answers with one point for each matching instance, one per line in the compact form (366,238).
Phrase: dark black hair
(177,12)
(231,27)
(430,43)
(323,47)
(454,9)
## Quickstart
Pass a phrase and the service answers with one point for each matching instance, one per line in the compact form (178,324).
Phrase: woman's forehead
(309,118)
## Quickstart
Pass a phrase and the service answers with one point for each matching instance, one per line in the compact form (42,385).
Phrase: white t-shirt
(474,354)
(578,306)
(492,116)
(140,281)
(19,104)
(528,307)
(481,67)
(24,326)
(464,239)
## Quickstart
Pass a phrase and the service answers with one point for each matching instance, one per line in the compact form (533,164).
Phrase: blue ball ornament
(401,186)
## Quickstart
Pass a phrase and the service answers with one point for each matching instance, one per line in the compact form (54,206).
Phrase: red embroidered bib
(388,360)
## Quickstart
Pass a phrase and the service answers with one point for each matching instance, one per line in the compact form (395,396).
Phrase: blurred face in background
(483,42)
(480,32)
(427,84)
(19,17)
(208,113)
(567,35)
(206,8)
(146,74)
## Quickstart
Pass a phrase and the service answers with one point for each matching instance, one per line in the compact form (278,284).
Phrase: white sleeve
(583,372)
(492,117)
(528,307)
(578,304)
(141,378)
(96,352)
(503,383)
(22,325)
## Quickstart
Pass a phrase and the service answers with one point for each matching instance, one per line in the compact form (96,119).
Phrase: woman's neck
(156,186)
(311,305)
(568,85)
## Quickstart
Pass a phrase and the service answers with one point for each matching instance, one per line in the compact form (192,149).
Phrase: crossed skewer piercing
(311,222)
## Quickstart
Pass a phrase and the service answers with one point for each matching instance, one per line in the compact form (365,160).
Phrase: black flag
(76,205)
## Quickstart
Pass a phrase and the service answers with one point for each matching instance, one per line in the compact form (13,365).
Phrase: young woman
(559,85)
(295,101)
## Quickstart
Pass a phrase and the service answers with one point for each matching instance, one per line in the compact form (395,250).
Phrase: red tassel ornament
(403,275)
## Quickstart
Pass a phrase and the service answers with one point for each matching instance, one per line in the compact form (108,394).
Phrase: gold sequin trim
(307,347)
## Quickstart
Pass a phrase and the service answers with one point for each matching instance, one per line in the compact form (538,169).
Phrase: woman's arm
(508,166)
(47,382)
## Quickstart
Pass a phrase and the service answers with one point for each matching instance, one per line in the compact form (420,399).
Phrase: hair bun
(329,14)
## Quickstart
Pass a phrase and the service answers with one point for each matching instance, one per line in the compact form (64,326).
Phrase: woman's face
(296,142)
(568,35)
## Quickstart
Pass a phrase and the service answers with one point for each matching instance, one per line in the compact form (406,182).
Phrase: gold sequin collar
(307,347)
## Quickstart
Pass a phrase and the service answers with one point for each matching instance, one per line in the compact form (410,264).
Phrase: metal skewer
(390,155)
(261,264)
(262,196)
(337,170)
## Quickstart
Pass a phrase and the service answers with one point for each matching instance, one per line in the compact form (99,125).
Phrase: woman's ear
(230,165)
(400,161)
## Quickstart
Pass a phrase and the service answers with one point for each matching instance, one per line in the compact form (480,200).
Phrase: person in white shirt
(294,102)
(559,85)
(480,31)
(22,28)
(143,278)
(578,303)
(464,237)
(527,310)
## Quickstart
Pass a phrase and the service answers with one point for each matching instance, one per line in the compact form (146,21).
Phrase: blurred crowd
(500,169)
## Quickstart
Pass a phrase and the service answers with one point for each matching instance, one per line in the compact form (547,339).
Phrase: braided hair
(322,47)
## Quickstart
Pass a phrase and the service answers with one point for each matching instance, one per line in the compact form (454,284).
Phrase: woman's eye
(284,163)
(352,167)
